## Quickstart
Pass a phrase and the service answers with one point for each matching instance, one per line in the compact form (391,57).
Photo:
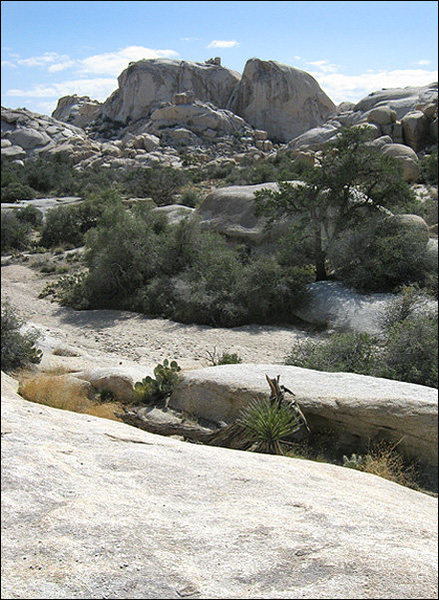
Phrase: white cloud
(43,60)
(352,88)
(298,58)
(98,88)
(107,63)
(189,39)
(8,63)
(324,66)
(423,62)
(113,63)
(223,44)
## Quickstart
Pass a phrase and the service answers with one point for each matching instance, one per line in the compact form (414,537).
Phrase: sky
(53,49)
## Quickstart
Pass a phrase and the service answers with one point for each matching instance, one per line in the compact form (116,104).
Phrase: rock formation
(358,408)
(77,110)
(282,100)
(145,84)
(408,115)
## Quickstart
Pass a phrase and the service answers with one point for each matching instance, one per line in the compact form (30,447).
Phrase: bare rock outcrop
(92,508)
(279,99)
(77,110)
(357,408)
(145,84)
(27,134)
(407,115)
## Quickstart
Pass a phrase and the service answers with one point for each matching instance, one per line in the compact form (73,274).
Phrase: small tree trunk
(319,255)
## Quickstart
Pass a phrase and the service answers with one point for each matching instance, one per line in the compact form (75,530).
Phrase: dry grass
(67,393)
(383,460)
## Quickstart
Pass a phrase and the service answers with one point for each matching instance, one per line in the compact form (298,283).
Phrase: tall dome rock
(282,100)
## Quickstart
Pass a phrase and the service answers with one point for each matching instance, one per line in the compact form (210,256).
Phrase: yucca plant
(268,424)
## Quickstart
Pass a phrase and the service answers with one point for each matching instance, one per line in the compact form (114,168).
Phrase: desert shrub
(428,169)
(411,351)
(190,197)
(15,234)
(30,215)
(17,191)
(153,390)
(268,425)
(381,255)
(159,183)
(17,346)
(68,224)
(228,358)
(341,352)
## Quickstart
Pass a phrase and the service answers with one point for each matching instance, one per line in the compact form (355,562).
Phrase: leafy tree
(348,180)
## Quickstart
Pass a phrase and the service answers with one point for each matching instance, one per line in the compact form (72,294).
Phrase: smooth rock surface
(281,100)
(147,83)
(97,509)
(356,407)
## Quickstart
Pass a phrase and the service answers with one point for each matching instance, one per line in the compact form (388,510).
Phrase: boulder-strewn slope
(94,508)
(405,115)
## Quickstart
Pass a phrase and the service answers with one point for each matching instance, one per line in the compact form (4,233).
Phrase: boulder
(78,110)
(339,307)
(114,380)
(13,152)
(147,83)
(175,213)
(400,100)
(198,117)
(314,138)
(406,157)
(279,99)
(358,408)
(28,138)
(231,211)
(382,115)
(96,508)
(415,126)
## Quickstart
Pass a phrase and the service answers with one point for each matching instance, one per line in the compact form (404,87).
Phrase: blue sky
(51,49)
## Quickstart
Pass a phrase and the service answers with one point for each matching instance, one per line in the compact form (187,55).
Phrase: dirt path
(135,337)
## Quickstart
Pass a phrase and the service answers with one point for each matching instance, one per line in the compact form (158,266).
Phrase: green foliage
(151,390)
(429,169)
(268,425)
(381,255)
(227,358)
(411,340)
(354,462)
(17,347)
(349,179)
(68,224)
(159,183)
(17,191)
(407,349)
(15,234)
(31,215)
(341,352)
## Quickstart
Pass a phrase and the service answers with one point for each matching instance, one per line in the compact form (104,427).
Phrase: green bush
(17,347)
(31,215)
(15,234)
(341,352)
(381,256)
(68,224)
(17,191)
(407,349)
(429,169)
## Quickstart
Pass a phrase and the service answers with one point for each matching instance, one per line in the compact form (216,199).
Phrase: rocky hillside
(164,110)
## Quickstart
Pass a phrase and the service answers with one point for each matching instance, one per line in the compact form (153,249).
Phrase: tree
(349,180)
